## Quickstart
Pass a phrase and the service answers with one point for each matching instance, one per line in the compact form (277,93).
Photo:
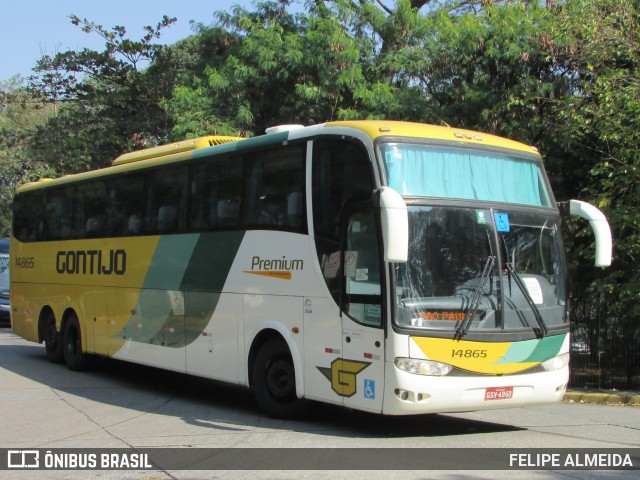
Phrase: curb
(602,397)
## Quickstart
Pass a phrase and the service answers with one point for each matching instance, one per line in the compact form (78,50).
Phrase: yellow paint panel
(72,274)
(378,128)
(176,147)
(119,262)
(478,357)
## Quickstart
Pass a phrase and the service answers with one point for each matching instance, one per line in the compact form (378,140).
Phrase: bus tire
(52,339)
(274,382)
(74,357)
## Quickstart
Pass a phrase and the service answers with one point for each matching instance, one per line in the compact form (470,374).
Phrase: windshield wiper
(463,327)
(542,330)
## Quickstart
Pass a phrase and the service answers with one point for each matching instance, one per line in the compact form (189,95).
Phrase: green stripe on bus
(263,141)
(211,261)
(170,261)
(518,352)
(215,150)
(547,348)
(242,145)
(533,351)
(183,286)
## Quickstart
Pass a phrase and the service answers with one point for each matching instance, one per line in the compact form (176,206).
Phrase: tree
(599,41)
(106,102)
(268,67)
(20,116)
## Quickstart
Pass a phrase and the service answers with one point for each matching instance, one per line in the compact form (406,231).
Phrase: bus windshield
(430,171)
(487,269)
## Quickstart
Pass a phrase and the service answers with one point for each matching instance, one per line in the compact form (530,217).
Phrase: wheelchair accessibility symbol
(502,222)
(369,389)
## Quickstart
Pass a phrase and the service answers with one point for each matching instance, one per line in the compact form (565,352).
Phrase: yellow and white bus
(384,266)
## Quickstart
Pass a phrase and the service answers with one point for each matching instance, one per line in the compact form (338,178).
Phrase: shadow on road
(210,404)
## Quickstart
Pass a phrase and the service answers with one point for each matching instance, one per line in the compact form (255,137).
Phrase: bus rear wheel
(274,382)
(52,340)
(74,357)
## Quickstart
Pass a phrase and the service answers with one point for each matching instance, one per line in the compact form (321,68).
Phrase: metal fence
(605,352)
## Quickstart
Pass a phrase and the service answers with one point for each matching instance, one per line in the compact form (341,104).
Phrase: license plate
(498,393)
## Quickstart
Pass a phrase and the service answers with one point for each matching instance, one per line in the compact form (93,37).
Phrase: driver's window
(362,272)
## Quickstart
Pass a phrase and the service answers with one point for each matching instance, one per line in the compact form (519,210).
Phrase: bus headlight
(556,363)
(422,367)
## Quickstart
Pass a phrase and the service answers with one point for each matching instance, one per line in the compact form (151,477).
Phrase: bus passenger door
(348,323)
(362,370)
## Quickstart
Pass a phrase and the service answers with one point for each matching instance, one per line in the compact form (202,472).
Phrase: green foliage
(279,67)
(20,117)
(490,71)
(599,41)
(105,103)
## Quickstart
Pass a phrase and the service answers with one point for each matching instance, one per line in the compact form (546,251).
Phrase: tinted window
(255,190)
(91,208)
(341,175)
(58,213)
(28,218)
(168,200)
(362,280)
(275,196)
(129,201)
(216,188)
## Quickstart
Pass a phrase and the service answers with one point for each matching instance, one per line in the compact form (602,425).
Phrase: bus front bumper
(410,394)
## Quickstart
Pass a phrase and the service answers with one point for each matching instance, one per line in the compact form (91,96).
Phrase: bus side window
(20,216)
(199,199)
(28,219)
(362,288)
(91,211)
(58,213)
(342,174)
(129,204)
(215,194)
(275,197)
(168,201)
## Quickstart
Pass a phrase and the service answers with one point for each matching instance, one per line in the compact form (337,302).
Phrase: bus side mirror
(599,225)
(395,224)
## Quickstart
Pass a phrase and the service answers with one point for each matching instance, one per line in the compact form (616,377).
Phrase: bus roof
(379,128)
(199,147)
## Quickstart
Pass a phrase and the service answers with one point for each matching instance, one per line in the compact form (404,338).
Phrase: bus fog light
(401,394)
(422,367)
(556,363)
(411,397)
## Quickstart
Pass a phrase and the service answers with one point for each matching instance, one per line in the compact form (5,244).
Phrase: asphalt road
(120,405)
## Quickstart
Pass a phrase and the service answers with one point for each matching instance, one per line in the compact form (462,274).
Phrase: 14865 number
(469,353)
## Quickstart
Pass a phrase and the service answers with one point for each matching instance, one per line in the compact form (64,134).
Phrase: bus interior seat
(228,213)
(295,209)
(167,218)
(134,225)
(93,227)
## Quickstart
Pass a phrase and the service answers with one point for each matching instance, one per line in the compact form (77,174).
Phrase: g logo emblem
(342,375)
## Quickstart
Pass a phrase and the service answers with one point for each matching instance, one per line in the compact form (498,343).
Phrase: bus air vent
(171,148)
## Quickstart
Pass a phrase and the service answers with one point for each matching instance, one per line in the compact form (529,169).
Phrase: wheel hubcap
(280,379)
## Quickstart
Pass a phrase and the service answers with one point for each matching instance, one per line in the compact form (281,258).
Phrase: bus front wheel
(274,381)
(74,357)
